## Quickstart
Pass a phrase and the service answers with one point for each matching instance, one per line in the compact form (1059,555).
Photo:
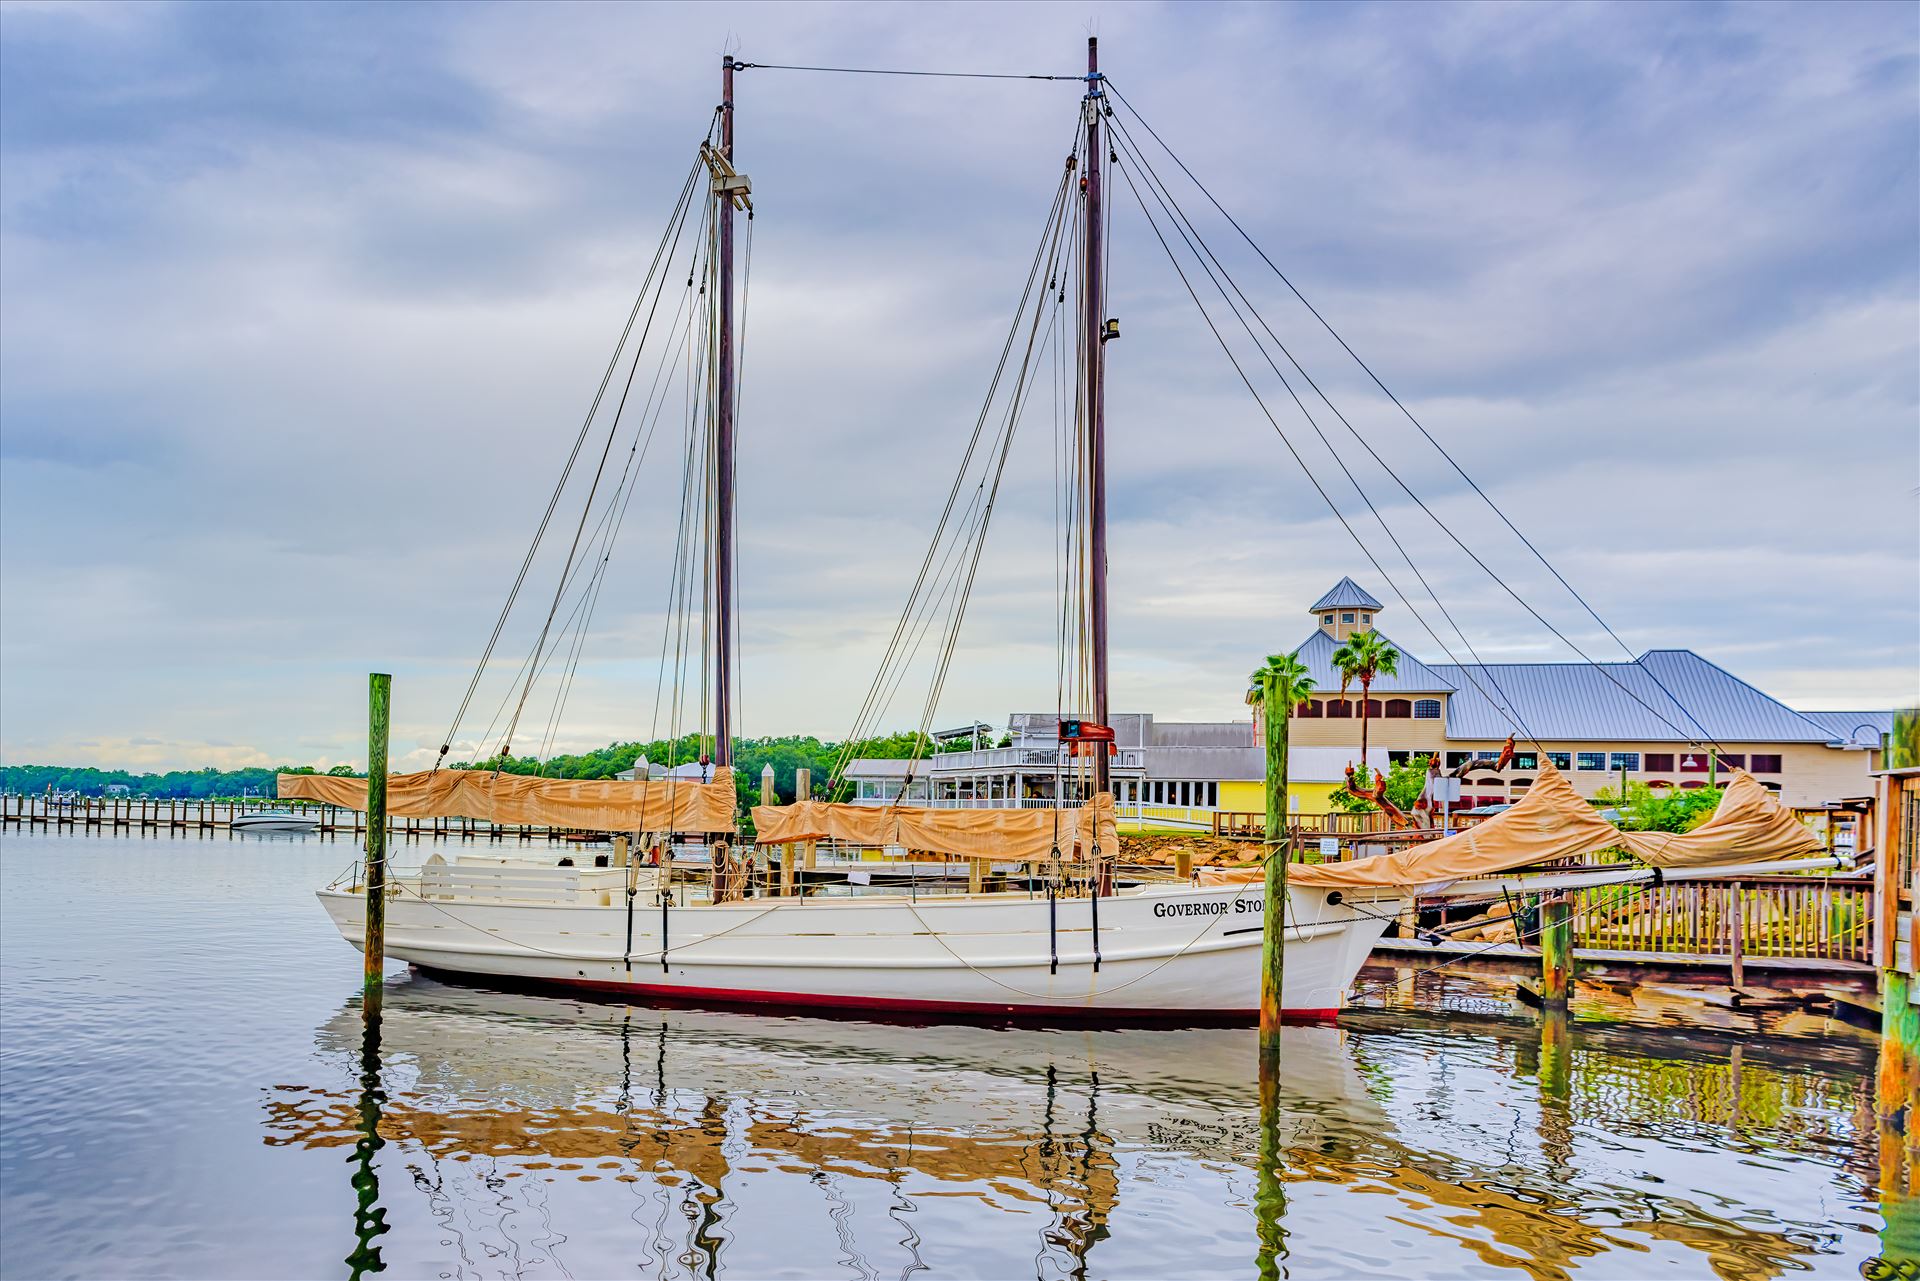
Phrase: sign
(1330,847)
(1443,791)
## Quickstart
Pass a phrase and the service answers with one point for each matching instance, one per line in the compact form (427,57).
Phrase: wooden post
(622,852)
(1736,936)
(1280,686)
(976,875)
(1556,949)
(1183,864)
(803,784)
(379,707)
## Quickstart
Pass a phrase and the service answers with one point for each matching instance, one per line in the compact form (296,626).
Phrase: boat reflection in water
(540,1135)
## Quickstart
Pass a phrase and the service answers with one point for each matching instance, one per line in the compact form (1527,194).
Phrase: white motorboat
(281,823)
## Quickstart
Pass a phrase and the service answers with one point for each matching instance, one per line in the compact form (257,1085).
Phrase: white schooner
(1055,934)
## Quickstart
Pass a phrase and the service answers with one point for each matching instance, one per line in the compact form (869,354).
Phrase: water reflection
(369,1220)
(882,1145)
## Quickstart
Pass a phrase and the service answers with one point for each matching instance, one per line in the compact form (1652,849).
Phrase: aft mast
(723,433)
(1094,327)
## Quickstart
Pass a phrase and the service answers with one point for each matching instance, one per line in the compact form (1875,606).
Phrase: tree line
(786,754)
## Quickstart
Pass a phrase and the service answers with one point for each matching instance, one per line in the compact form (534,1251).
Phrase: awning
(967,833)
(595,805)
(1553,822)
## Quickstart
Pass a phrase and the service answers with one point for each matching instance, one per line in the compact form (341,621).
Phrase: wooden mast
(723,450)
(1093,326)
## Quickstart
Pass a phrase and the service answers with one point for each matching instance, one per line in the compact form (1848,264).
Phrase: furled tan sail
(1553,822)
(598,805)
(969,833)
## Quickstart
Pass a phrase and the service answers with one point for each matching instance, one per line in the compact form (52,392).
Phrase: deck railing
(1813,918)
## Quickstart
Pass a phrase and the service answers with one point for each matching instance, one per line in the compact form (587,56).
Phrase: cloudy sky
(301,306)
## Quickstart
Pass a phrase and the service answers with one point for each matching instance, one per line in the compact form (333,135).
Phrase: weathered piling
(1282,683)
(379,706)
(1556,950)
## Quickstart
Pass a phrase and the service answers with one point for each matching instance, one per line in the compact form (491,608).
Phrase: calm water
(183,1093)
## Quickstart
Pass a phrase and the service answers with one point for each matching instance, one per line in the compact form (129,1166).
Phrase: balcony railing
(1023,758)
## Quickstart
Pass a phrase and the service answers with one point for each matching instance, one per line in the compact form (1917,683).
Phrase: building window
(1399,709)
(1367,618)
(1346,618)
(1213,795)
(1456,759)
(1733,760)
(1426,709)
(1339,707)
(1765,763)
(1626,761)
(1309,708)
(1399,758)
(1693,763)
(1660,761)
(1659,784)
(1486,756)
(1373,709)
(1593,760)
(1691,783)
(1326,618)
(1521,783)
(1525,760)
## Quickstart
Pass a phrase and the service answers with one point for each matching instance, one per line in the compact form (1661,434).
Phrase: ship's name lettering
(1237,906)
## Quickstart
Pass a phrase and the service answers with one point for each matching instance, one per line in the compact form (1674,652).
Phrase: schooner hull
(1175,953)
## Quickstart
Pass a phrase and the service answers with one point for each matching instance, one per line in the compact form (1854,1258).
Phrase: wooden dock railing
(1814,918)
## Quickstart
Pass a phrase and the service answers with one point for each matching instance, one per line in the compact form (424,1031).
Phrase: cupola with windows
(1345,609)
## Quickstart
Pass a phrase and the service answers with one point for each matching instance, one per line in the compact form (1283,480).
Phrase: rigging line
(596,538)
(674,219)
(893,71)
(1176,214)
(593,488)
(945,584)
(1201,255)
(607,532)
(1284,439)
(623,497)
(973,443)
(981,420)
(1441,449)
(1017,402)
(1021,395)
(679,588)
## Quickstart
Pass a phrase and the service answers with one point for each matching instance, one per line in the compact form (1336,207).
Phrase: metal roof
(1854,729)
(1611,702)
(1345,594)
(1414,676)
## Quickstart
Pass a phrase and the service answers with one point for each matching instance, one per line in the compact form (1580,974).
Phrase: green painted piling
(1281,684)
(379,708)
(1556,949)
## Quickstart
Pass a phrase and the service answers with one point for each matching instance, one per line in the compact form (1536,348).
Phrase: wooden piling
(1283,682)
(1556,949)
(379,707)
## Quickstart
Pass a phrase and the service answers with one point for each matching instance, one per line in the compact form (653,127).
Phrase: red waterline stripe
(739,997)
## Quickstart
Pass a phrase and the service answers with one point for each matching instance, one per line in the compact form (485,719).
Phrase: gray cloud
(301,305)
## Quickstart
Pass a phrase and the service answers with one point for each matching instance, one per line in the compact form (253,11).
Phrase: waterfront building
(1598,723)
(1636,720)
(1175,773)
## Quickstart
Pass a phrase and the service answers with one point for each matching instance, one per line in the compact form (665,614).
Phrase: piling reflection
(1270,1189)
(369,1220)
(875,1143)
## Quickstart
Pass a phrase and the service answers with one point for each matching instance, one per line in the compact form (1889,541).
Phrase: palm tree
(1281,685)
(1364,657)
